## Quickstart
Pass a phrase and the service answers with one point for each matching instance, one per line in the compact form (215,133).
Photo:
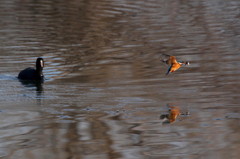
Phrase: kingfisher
(172,61)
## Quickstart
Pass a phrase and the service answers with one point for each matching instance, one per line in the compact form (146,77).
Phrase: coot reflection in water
(37,87)
(37,84)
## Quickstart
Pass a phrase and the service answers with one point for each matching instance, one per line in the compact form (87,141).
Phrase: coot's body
(31,73)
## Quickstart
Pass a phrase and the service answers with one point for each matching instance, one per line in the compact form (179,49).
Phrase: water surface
(106,92)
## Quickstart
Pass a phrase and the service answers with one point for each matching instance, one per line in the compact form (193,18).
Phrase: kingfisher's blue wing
(168,70)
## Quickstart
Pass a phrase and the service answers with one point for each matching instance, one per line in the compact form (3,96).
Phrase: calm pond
(106,94)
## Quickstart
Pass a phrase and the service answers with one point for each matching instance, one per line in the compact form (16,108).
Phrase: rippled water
(106,94)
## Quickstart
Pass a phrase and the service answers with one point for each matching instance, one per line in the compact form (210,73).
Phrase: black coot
(31,73)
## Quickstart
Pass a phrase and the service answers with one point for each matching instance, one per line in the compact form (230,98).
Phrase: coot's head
(39,63)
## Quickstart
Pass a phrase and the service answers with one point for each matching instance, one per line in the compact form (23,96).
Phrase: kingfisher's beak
(187,63)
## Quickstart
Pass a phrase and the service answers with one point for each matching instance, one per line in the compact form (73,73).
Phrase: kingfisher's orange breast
(175,66)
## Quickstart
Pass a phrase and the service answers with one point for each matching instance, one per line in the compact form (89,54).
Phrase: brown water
(106,95)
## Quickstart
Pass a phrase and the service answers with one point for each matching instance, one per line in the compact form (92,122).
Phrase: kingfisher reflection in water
(173,113)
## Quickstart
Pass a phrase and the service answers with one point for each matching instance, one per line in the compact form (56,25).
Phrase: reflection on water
(37,85)
(106,88)
(173,113)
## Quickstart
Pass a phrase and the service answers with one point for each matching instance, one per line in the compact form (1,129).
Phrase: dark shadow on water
(35,84)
